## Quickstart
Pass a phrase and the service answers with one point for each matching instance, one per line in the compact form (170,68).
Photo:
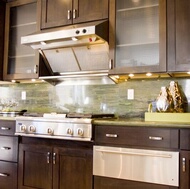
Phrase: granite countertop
(139,122)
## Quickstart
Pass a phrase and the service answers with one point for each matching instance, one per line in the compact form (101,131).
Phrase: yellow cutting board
(168,117)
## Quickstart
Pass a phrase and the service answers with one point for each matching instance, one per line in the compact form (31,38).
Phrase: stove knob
(32,129)
(80,132)
(69,131)
(49,131)
(23,128)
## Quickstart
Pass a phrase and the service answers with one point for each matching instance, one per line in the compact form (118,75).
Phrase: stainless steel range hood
(78,53)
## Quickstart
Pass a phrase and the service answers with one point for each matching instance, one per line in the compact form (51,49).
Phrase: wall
(43,97)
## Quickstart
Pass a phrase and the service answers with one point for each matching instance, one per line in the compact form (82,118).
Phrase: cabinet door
(20,62)
(8,175)
(88,10)
(72,168)
(140,36)
(35,167)
(55,13)
(2,26)
(178,35)
(185,170)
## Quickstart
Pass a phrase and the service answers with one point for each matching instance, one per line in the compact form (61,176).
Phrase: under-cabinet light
(74,39)
(131,75)
(188,73)
(43,43)
(148,74)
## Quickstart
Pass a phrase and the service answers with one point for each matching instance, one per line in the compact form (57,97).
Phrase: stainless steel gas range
(58,126)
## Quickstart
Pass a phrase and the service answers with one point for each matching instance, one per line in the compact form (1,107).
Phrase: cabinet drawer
(8,148)
(7,127)
(8,175)
(137,136)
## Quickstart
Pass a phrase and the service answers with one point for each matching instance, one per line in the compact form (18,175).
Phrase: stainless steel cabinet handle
(111,135)
(54,158)
(48,157)
(135,153)
(183,164)
(36,69)
(4,175)
(155,138)
(74,13)
(5,148)
(69,14)
(111,64)
(5,128)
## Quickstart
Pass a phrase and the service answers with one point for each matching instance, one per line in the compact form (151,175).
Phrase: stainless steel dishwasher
(151,166)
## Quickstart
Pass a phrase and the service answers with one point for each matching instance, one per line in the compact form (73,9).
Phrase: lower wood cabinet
(109,183)
(8,175)
(54,167)
(185,170)
(8,155)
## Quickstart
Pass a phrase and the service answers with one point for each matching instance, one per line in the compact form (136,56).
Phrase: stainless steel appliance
(57,126)
(74,54)
(152,166)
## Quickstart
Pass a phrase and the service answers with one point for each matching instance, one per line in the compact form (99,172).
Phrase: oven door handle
(135,153)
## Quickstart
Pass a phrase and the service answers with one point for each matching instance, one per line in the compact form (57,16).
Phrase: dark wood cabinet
(74,166)
(8,175)
(138,36)
(2,26)
(20,61)
(8,155)
(51,166)
(178,15)
(137,136)
(55,13)
(184,169)
(111,140)
(35,167)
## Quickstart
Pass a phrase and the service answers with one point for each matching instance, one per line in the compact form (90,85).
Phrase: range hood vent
(77,54)
(74,35)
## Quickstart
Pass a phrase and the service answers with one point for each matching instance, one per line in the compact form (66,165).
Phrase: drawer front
(8,175)
(137,136)
(7,127)
(8,148)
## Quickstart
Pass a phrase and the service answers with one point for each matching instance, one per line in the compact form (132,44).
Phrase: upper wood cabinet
(140,36)
(20,61)
(178,35)
(2,26)
(55,13)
